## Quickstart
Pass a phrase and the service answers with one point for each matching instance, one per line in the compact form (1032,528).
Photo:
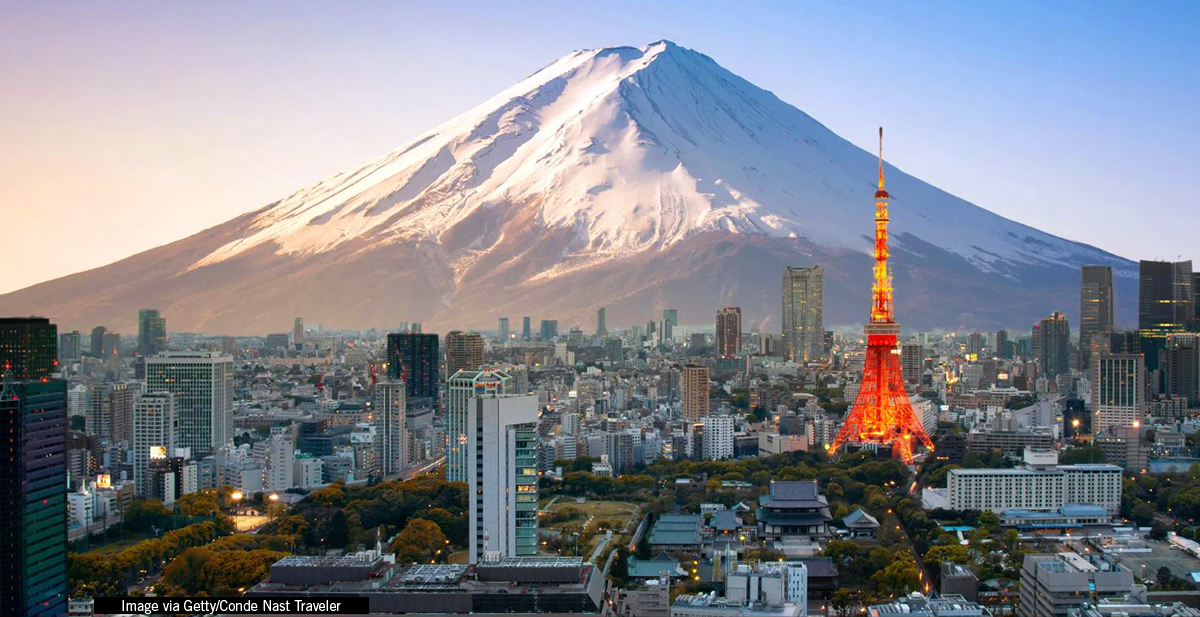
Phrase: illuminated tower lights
(882,413)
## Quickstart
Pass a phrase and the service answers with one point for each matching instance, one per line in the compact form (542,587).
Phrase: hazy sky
(124,126)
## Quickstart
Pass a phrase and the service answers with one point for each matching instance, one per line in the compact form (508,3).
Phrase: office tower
(96,342)
(1095,311)
(718,437)
(1180,366)
(202,383)
(461,387)
(729,332)
(549,329)
(601,326)
(975,342)
(33,473)
(152,332)
(1060,584)
(912,361)
(526,331)
(109,411)
(28,347)
(1003,345)
(464,351)
(882,413)
(501,442)
(298,331)
(388,415)
(694,383)
(414,358)
(68,346)
(277,341)
(1166,304)
(1052,345)
(503,328)
(803,313)
(1118,390)
(112,345)
(154,431)
(671,316)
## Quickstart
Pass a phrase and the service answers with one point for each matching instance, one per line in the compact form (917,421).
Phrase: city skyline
(223,175)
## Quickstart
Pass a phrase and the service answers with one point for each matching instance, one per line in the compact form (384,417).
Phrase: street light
(274,497)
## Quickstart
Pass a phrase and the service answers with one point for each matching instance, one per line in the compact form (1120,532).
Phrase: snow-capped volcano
(629,177)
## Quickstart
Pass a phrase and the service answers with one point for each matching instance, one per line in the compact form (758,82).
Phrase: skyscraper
(502,478)
(1003,345)
(152,332)
(549,329)
(526,331)
(670,319)
(464,351)
(33,472)
(68,346)
(111,348)
(202,383)
(110,411)
(1166,304)
(912,361)
(694,382)
(461,387)
(388,416)
(96,342)
(28,347)
(1095,311)
(803,313)
(1052,343)
(975,343)
(503,328)
(154,431)
(729,332)
(1118,390)
(1180,366)
(601,326)
(414,358)
(298,331)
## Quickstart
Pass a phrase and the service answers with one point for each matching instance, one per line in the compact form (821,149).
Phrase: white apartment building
(1040,486)
(1117,391)
(501,444)
(154,433)
(718,437)
(202,383)
(307,471)
(388,416)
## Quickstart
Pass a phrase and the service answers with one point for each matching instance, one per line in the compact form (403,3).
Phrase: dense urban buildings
(1095,311)
(414,358)
(464,351)
(155,429)
(388,413)
(803,313)
(152,332)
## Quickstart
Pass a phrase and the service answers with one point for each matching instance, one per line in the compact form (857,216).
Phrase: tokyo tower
(882,413)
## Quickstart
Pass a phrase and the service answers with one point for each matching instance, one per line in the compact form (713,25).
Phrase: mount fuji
(630,178)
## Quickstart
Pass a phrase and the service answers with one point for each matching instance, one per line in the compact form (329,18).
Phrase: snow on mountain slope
(634,150)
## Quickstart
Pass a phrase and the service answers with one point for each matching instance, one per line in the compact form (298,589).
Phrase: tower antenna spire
(881,158)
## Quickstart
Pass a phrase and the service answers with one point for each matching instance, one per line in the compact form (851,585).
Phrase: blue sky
(127,125)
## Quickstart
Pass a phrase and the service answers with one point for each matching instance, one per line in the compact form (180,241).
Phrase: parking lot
(1146,565)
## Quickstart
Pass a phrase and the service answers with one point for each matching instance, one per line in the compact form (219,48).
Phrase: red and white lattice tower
(882,413)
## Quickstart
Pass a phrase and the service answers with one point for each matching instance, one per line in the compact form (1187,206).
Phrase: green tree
(421,541)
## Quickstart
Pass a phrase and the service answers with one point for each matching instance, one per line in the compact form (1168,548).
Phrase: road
(412,472)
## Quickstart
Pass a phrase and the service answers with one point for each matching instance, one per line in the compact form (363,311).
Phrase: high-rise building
(1180,366)
(1095,311)
(1118,390)
(202,383)
(718,437)
(975,343)
(912,361)
(388,415)
(464,351)
(601,325)
(109,411)
(1166,304)
(694,382)
(111,348)
(68,346)
(279,456)
(298,331)
(460,389)
(502,450)
(414,358)
(96,342)
(549,329)
(152,332)
(154,431)
(729,332)
(803,313)
(1004,347)
(1052,345)
(526,330)
(503,328)
(670,320)
(33,473)
(28,347)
